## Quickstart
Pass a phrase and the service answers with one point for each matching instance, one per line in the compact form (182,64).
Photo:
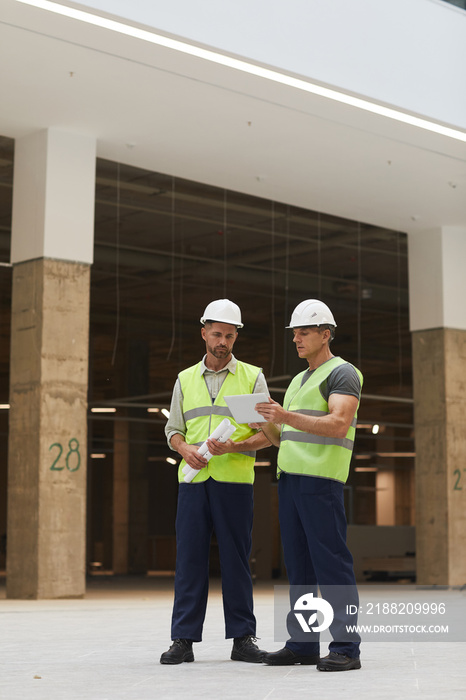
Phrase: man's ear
(203,333)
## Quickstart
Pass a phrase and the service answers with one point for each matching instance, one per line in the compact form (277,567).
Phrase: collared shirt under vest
(313,455)
(202,416)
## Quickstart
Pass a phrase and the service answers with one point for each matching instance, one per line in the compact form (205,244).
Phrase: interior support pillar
(120,497)
(440,405)
(438,324)
(138,378)
(51,252)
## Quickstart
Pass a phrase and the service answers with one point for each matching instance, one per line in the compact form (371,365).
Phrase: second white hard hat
(311,312)
(224,311)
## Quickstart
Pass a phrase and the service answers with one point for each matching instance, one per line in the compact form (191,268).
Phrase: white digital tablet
(242,407)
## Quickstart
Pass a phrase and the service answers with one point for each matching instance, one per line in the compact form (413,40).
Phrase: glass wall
(164,248)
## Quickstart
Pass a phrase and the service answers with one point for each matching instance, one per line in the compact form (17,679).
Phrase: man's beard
(219,352)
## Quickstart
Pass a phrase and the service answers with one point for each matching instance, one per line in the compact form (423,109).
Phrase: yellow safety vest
(308,454)
(202,417)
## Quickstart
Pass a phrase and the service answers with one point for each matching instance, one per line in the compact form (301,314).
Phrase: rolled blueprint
(221,433)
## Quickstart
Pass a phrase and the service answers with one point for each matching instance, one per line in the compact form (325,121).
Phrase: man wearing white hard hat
(315,431)
(220,497)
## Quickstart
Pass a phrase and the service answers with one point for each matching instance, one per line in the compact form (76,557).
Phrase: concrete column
(438,322)
(404,497)
(439,362)
(385,480)
(385,497)
(120,497)
(138,533)
(52,242)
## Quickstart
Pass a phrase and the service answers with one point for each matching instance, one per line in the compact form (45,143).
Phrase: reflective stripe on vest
(202,417)
(313,455)
(207,411)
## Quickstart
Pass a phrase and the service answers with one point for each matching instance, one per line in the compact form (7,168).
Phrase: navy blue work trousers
(313,529)
(226,509)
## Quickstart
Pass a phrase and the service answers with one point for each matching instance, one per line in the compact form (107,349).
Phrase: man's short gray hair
(328,327)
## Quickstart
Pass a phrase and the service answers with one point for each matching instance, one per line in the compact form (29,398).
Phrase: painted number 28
(72,459)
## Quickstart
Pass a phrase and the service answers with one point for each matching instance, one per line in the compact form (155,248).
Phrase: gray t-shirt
(342,380)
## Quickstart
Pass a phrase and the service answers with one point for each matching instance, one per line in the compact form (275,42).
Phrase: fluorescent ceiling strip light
(245,67)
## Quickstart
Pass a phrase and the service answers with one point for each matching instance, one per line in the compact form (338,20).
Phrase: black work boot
(181,650)
(338,662)
(245,649)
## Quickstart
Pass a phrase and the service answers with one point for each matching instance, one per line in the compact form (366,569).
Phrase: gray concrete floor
(107,647)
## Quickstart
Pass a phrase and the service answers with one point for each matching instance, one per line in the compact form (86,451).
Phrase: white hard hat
(311,312)
(223,311)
